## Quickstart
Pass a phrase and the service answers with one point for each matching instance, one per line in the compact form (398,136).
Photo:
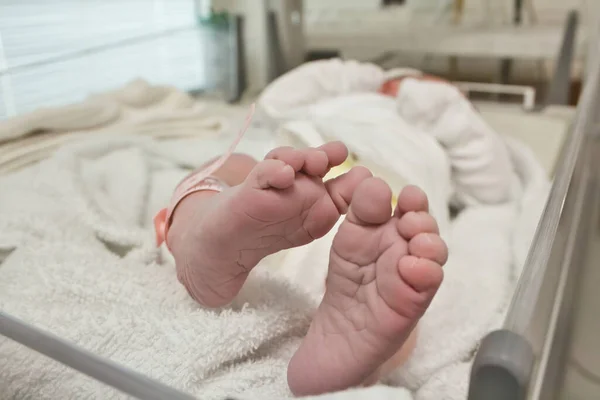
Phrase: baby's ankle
(183,217)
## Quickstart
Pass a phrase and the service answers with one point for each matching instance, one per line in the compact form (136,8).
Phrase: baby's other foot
(216,239)
(383,273)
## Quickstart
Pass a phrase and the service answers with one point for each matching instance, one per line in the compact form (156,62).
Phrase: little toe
(371,203)
(422,274)
(341,188)
(430,246)
(337,152)
(316,162)
(288,155)
(271,173)
(414,222)
(411,198)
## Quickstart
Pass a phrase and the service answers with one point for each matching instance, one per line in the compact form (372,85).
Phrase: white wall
(341,4)
(477,12)
(548,11)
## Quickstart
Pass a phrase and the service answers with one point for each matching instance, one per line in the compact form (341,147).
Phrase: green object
(214,19)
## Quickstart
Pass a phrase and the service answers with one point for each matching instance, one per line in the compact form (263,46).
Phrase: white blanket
(431,136)
(77,256)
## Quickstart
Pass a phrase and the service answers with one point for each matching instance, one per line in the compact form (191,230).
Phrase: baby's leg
(282,202)
(233,172)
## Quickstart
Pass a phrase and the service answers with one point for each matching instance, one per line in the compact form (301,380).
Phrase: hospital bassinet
(547,347)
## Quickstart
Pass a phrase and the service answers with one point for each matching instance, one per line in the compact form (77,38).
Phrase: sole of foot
(384,270)
(218,238)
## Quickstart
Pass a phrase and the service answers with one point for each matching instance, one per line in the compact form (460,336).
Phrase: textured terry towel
(77,256)
(79,260)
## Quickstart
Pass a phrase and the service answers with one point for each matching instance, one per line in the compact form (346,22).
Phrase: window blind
(55,52)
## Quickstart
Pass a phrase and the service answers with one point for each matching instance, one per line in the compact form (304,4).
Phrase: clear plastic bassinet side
(526,359)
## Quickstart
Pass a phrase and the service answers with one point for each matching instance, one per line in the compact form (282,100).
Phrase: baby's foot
(216,239)
(383,272)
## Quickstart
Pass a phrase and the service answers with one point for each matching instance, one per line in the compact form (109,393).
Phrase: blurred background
(521,62)
(55,52)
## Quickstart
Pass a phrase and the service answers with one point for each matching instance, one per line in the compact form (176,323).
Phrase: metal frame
(560,86)
(99,368)
(527,92)
(523,359)
(269,39)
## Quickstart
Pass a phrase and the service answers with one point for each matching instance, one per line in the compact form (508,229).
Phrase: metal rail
(101,369)
(521,361)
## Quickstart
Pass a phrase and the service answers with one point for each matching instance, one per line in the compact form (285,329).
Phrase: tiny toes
(420,273)
(316,162)
(430,246)
(272,173)
(311,161)
(341,188)
(337,152)
(288,155)
(414,222)
(412,198)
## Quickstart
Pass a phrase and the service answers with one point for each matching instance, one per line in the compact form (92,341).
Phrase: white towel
(77,258)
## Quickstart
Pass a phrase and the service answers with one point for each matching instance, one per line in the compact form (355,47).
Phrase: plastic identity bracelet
(196,182)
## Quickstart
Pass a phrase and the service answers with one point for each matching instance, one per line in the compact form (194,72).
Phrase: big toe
(336,151)
(341,189)
(371,203)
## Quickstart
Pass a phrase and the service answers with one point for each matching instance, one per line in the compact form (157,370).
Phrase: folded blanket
(77,255)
